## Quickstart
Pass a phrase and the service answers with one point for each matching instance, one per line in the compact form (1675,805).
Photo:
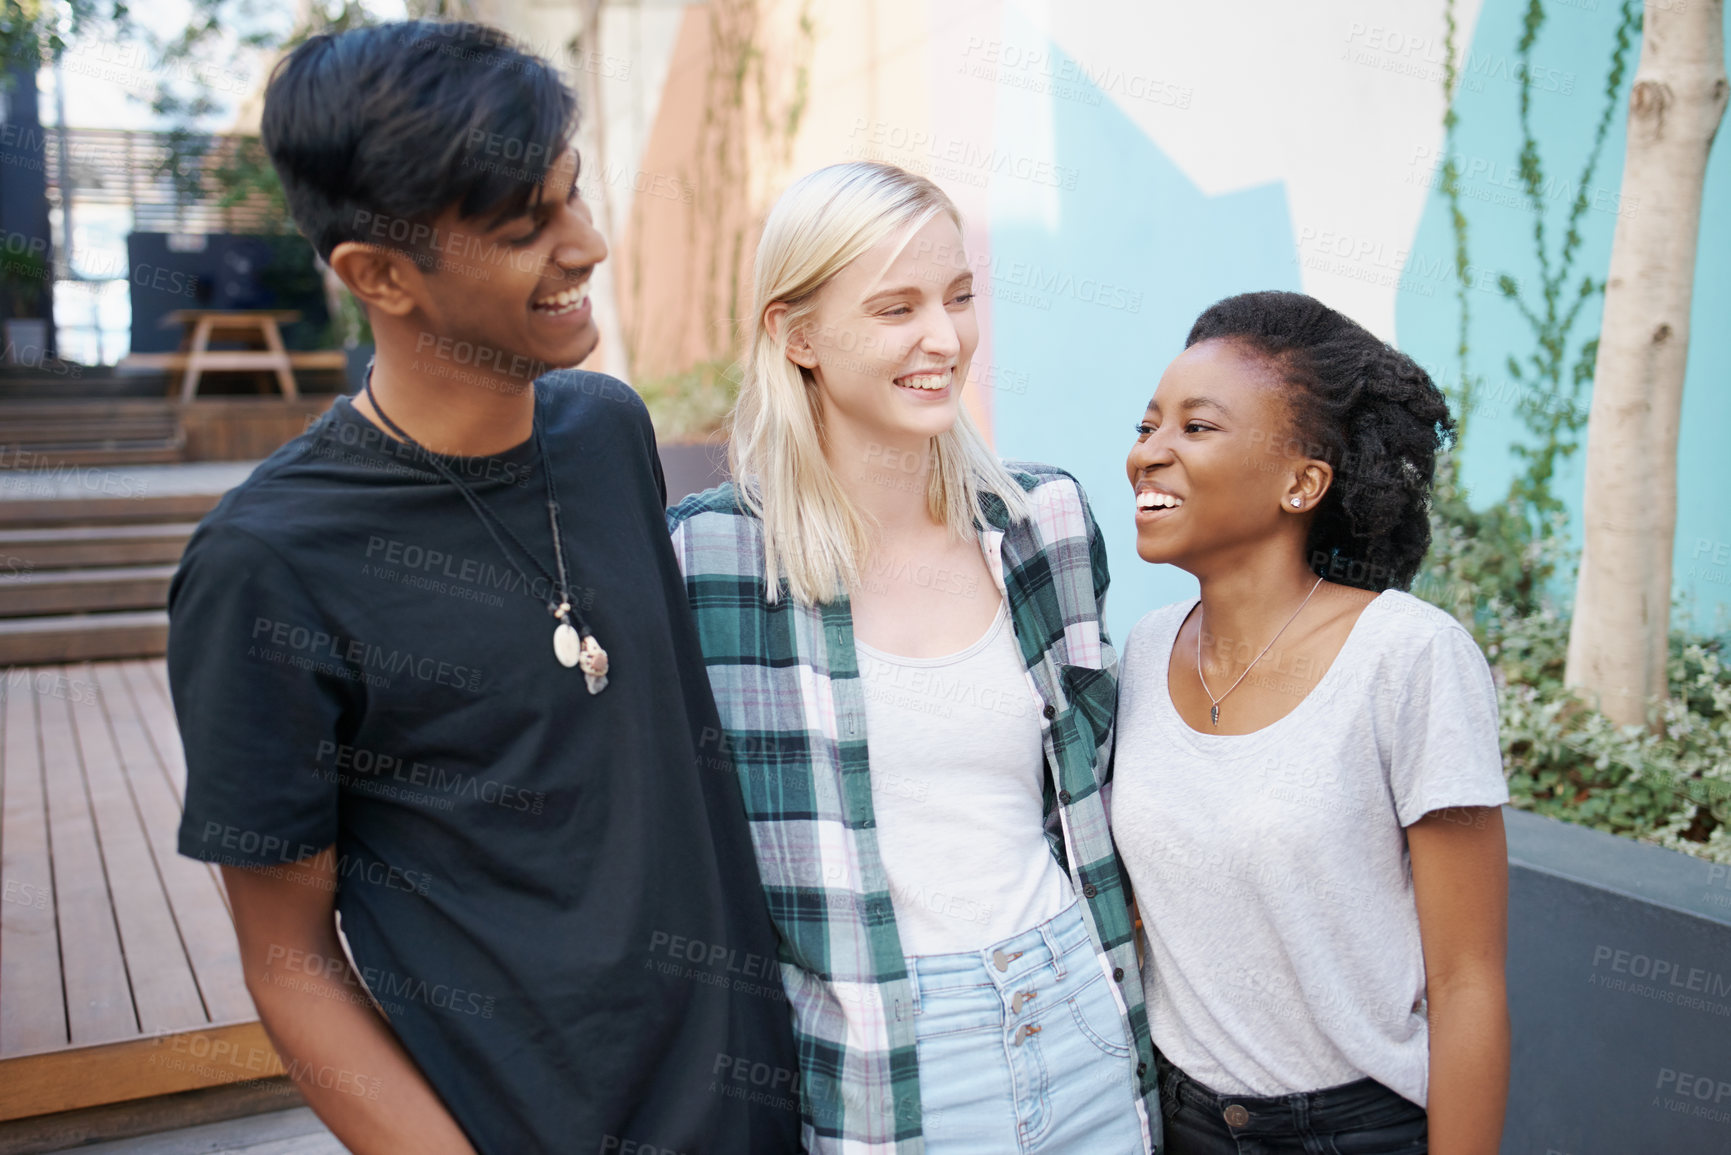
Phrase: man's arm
(338,1049)
(1460,876)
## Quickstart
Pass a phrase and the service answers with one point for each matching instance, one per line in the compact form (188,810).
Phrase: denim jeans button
(1236,1116)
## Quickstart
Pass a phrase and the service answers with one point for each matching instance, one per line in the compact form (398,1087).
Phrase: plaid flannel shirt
(786,680)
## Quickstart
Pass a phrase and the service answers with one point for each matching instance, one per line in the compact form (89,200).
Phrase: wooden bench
(258,326)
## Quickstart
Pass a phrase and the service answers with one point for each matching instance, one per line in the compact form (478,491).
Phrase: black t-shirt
(551,893)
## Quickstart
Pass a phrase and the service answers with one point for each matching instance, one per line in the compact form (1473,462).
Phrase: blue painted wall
(1571,61)
(1134,223)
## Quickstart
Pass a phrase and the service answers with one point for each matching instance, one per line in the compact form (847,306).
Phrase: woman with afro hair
(1307,767)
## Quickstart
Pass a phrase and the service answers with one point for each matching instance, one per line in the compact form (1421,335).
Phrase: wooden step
(24,550)
(95,383)
(25,411)
(235,359)
(83,637)
(89,432)
(80,591)
(49,434)
(70,1078)
(108,504)
(163,451)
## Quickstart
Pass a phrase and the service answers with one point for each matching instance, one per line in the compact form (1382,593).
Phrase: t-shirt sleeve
(1446,751)
(255,693)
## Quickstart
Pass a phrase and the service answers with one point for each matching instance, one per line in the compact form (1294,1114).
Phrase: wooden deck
(119,974)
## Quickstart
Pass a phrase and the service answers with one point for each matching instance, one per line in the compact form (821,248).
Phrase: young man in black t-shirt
(557,938)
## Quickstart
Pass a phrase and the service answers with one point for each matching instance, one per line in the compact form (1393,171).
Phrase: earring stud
(1297,501)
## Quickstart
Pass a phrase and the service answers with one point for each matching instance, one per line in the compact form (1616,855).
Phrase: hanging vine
(1551,404)
(1507,552)
(1490,566)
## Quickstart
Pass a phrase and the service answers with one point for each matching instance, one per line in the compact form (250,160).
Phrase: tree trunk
(1620,633)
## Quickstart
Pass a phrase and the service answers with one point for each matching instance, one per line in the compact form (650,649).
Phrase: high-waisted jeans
(1022,1048)
(1362,1118)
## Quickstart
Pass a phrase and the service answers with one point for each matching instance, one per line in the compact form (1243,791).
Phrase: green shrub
(1669,784)
(693,404)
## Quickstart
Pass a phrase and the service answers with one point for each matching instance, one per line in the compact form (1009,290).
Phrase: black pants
(1362,1118)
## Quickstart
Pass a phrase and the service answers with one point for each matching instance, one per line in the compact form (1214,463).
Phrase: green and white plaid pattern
(787,683)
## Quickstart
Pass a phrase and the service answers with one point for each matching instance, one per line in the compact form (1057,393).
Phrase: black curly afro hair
(1364,407)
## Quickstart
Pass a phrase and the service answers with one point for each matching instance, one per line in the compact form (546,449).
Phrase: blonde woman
(904,638)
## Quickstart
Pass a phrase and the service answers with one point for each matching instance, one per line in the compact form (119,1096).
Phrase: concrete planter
(1620,995)
(692,466)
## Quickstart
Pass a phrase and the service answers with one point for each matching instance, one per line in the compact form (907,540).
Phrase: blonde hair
(813,533)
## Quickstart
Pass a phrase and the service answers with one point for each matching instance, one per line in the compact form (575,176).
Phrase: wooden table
(259,327)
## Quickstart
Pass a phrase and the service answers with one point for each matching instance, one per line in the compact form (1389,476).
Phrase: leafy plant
(24,277)
(1671,785)
(1493,568)
(692,404)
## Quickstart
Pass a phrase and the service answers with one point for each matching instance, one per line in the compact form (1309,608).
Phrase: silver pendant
(565,645)
(1213,711)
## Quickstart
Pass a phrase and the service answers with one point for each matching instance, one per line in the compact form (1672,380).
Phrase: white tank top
(957,768)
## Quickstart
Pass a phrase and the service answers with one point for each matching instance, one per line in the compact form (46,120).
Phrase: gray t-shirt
(1271,868)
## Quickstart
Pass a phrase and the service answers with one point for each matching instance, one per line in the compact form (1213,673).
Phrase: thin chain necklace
(573,646)
(1214,703)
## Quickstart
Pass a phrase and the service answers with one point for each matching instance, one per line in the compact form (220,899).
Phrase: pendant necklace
(1214,703)
(572,645)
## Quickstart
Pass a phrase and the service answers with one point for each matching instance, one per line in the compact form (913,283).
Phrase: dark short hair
(378,130)
(1364,407)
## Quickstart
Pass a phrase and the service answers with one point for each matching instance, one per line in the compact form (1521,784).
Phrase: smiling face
(1216,466)
(890,338)
(520,286)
